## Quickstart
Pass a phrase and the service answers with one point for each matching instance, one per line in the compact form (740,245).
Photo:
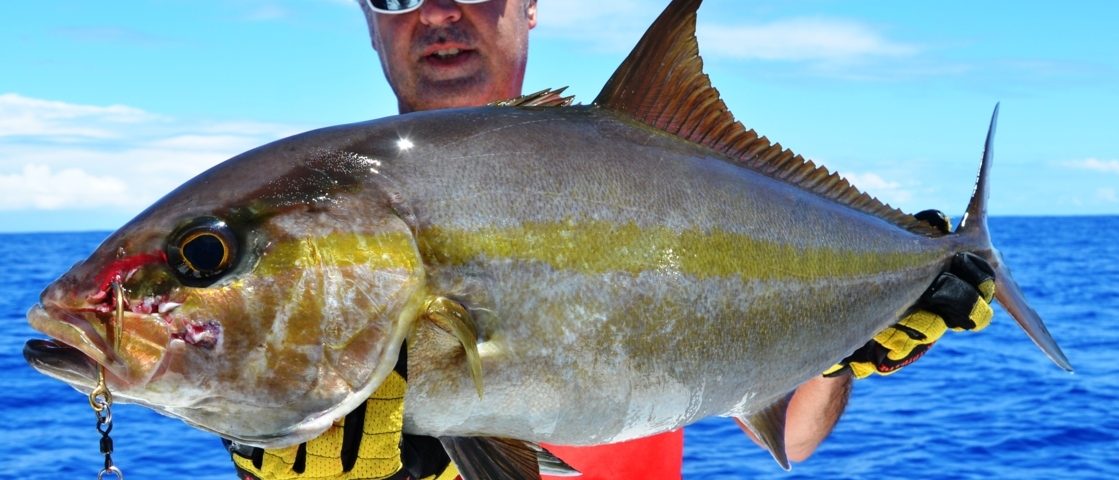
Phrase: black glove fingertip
(971,268)
(244,451)
(935,218)
(351,437)
(952,299)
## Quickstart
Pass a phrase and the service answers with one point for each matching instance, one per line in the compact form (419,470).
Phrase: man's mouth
(448,56)
(447,52)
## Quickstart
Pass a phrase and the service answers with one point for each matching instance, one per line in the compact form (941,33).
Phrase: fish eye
(202,251)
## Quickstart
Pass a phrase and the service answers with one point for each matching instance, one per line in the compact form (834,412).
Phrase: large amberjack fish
(565,274)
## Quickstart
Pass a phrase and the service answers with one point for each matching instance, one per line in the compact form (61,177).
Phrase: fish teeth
(168,306)
(144,307)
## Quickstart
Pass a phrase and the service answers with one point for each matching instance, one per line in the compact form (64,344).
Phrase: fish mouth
(75,349)
(61,361)
(130,348)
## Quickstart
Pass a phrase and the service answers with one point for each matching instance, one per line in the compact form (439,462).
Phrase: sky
(106,106)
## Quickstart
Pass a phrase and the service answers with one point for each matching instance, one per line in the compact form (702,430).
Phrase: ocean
(978,405)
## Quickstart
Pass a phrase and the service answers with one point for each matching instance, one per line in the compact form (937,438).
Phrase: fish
(553,273)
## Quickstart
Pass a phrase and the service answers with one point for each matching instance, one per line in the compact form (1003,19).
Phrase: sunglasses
(404,6)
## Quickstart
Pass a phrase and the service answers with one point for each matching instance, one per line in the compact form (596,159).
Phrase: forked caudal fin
(974,225)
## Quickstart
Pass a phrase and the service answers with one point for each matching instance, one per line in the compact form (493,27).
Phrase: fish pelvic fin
(485,458)
(973,227)
(454,318)
(768,427)
(661,84)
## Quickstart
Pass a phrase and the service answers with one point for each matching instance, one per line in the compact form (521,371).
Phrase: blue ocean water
(983,405)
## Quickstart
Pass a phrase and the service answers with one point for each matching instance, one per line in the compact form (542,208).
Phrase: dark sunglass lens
(394,5)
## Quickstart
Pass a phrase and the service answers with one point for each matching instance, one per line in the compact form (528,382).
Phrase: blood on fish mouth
(123,268)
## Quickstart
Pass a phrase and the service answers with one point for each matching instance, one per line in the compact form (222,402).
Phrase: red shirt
(659,457)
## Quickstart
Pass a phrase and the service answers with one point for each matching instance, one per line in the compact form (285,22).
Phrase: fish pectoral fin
(768,427)
(454,318)
(480,458)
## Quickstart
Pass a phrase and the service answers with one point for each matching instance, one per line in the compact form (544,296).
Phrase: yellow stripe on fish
(386,250)
(600,246)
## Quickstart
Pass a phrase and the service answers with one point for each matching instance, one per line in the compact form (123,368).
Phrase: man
(444,54)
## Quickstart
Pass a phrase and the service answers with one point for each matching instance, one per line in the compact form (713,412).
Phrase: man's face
(447,54)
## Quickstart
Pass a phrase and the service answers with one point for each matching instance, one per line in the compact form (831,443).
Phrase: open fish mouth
(61,361)
(129,335)
(75,349)
(131,345)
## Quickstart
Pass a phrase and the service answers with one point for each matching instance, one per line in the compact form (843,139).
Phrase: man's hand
(958,299)
(366,444)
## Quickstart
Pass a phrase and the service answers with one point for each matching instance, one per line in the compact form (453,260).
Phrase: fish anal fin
(454,318)
(768,427)
(661,84)
(485,458)
(549,97)
(550,464)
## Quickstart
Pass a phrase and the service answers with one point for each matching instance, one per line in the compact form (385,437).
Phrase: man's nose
(440,12)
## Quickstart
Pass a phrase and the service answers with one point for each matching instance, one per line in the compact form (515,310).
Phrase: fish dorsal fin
(549,97)
(768,426)
(661,83)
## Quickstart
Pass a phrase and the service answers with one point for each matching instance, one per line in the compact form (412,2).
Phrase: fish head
(260,312)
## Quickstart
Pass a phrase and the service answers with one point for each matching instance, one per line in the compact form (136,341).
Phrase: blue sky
(105,106)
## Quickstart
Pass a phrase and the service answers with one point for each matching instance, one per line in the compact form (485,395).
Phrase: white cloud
(616,26)
(1096,165)
(196,141)
(811,39)
(888,191)
(37,187)
(32,117)
(52,159)
(605,25)
(570,15)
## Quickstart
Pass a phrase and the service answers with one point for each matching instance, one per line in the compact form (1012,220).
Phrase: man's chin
(452,93)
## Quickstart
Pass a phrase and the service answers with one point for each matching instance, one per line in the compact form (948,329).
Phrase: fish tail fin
(973,227)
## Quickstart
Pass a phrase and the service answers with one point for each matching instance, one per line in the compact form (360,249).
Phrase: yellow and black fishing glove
(959,299)
(368,444)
